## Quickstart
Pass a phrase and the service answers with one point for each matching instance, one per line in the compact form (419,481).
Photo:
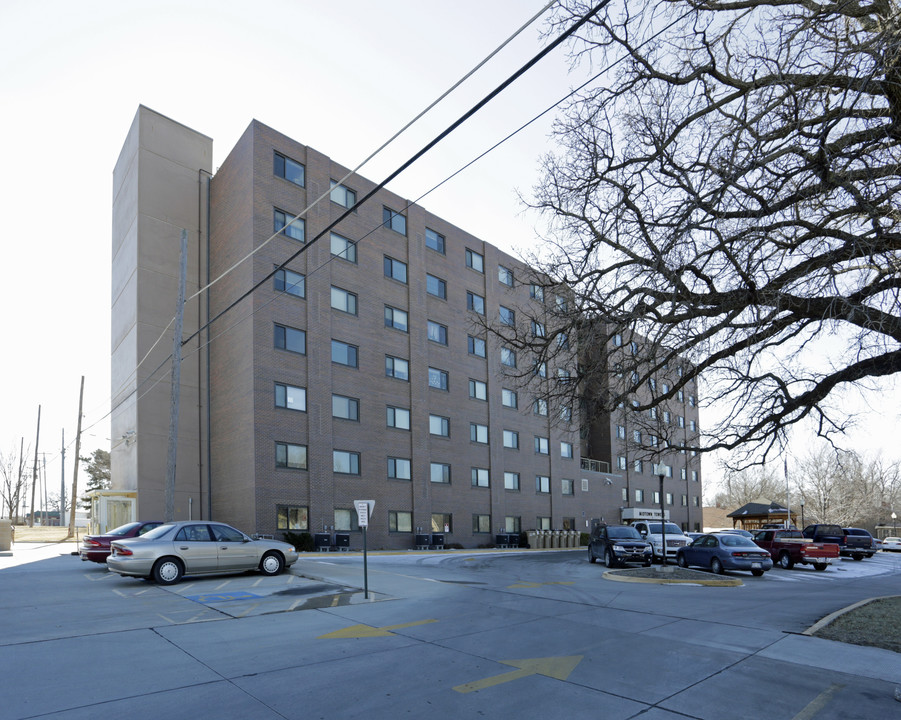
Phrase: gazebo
(755,515)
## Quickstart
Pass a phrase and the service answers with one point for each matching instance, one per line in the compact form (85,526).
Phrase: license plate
(755,566)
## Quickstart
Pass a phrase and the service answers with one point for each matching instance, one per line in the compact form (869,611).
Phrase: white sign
(364,511)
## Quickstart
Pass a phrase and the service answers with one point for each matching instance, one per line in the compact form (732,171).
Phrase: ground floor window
(293,517)
(513,524)
(400,521)
(543,523)
(569,523)
(442,522)
(346,520)
(481,524)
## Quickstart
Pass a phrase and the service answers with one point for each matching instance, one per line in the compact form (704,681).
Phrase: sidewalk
(23,553)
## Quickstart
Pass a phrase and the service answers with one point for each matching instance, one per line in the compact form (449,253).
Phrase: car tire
(857,556)
(820,566)
(272,563)
(647,563)
(757,573)
(610,559)
(168,571)
(716,567)
(591,557)
(785,560)
(681,561)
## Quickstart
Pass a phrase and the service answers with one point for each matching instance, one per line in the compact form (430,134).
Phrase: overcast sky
(341,77)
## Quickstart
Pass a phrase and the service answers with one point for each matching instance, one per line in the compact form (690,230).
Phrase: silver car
(173,550)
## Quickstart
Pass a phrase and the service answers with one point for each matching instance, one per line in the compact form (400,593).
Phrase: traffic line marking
(539,584)
(558,668)
(367,631)
(818,703)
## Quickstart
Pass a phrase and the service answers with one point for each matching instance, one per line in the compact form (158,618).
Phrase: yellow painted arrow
(558,668)
(367,631)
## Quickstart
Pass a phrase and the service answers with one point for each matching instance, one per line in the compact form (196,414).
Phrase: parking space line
(818,703)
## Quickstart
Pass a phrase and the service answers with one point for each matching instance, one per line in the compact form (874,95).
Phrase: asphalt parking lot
(442,635)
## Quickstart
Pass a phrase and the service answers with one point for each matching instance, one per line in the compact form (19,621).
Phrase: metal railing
(595,465)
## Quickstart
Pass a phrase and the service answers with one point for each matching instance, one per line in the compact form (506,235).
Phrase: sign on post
(364,511)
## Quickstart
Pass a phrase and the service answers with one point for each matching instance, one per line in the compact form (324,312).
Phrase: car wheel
(610,559)
(819,566)
(647,563)
(857,556)
(272,564)
(716,567)
(591,557)
(168,571)
(681,561)
(785,560)
(757,573)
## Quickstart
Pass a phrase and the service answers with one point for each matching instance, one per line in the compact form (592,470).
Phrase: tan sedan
(170,551)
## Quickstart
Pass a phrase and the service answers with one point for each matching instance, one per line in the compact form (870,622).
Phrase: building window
(563,340)
(695,501)
(542,484)
(562,303)
(290,282)
(288,224)
(288,169)
(394,220)
(621,462)
(478,390)
(479,477)
(395,269)
(481,524)
(434,240)
(541,369)
(666,417)
(539,407)
(669,498)
(509,398)
(346,462)
(621,432)
(543,523)
(691,400)
(507,316)
(656,500)
(638,466)
(291,339)
(342,195)
(346,520)
(513,524)
(536,292)
(683,474)
(439,425)
(475,303)
(511,481)
(636,437)
(291,456)
(475,261)
(505,275)
(290,397)
(344,354)
(692,425)
(438,379)
(397,368)
(508,357)
(685,501)
(396,318)
(399,468)
(680,421)
(567,487)
(343,248)
(694,475)
(292,517)
(476,346)
(400,521)
(542,445)
(639,496)
(442,522)
(680,395)
(437,332)
(538,330)
(478,433)
(625,495)
(344,300)
(440,473)
(511,439)
(566,450)
(617,340)
(398,417)
(345,408)
(436,286)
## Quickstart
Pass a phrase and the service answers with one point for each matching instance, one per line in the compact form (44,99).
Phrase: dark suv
(858,543)
(618,544)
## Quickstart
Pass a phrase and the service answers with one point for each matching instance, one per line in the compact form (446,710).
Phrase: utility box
(6,535)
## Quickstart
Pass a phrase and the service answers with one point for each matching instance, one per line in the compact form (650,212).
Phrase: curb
(619,576)
(831,617)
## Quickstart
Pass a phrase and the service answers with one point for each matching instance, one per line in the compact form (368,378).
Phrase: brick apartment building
(356,371)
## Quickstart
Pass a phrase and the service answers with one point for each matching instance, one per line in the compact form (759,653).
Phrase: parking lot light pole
(894,527)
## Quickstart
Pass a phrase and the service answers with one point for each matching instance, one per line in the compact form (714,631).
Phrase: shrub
(302,542)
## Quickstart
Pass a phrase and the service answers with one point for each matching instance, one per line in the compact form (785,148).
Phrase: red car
(96,548)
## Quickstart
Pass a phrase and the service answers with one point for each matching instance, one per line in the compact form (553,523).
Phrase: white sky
(341,77)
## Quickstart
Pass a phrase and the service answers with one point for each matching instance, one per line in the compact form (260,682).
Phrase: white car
(652,531)
(892,543)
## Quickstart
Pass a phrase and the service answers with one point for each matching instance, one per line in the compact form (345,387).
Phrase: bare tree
(14,479)
(757,484)
(728,192)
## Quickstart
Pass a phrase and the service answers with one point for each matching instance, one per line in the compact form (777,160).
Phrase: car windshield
(671,529)
(124,529)
(158,532)
(623,533)
(730,540)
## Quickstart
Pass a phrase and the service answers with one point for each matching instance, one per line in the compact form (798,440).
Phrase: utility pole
(34,474)
(176,380)
(71,532)
(62,479)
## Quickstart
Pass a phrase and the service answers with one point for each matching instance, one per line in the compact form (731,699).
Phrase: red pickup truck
(788,547)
